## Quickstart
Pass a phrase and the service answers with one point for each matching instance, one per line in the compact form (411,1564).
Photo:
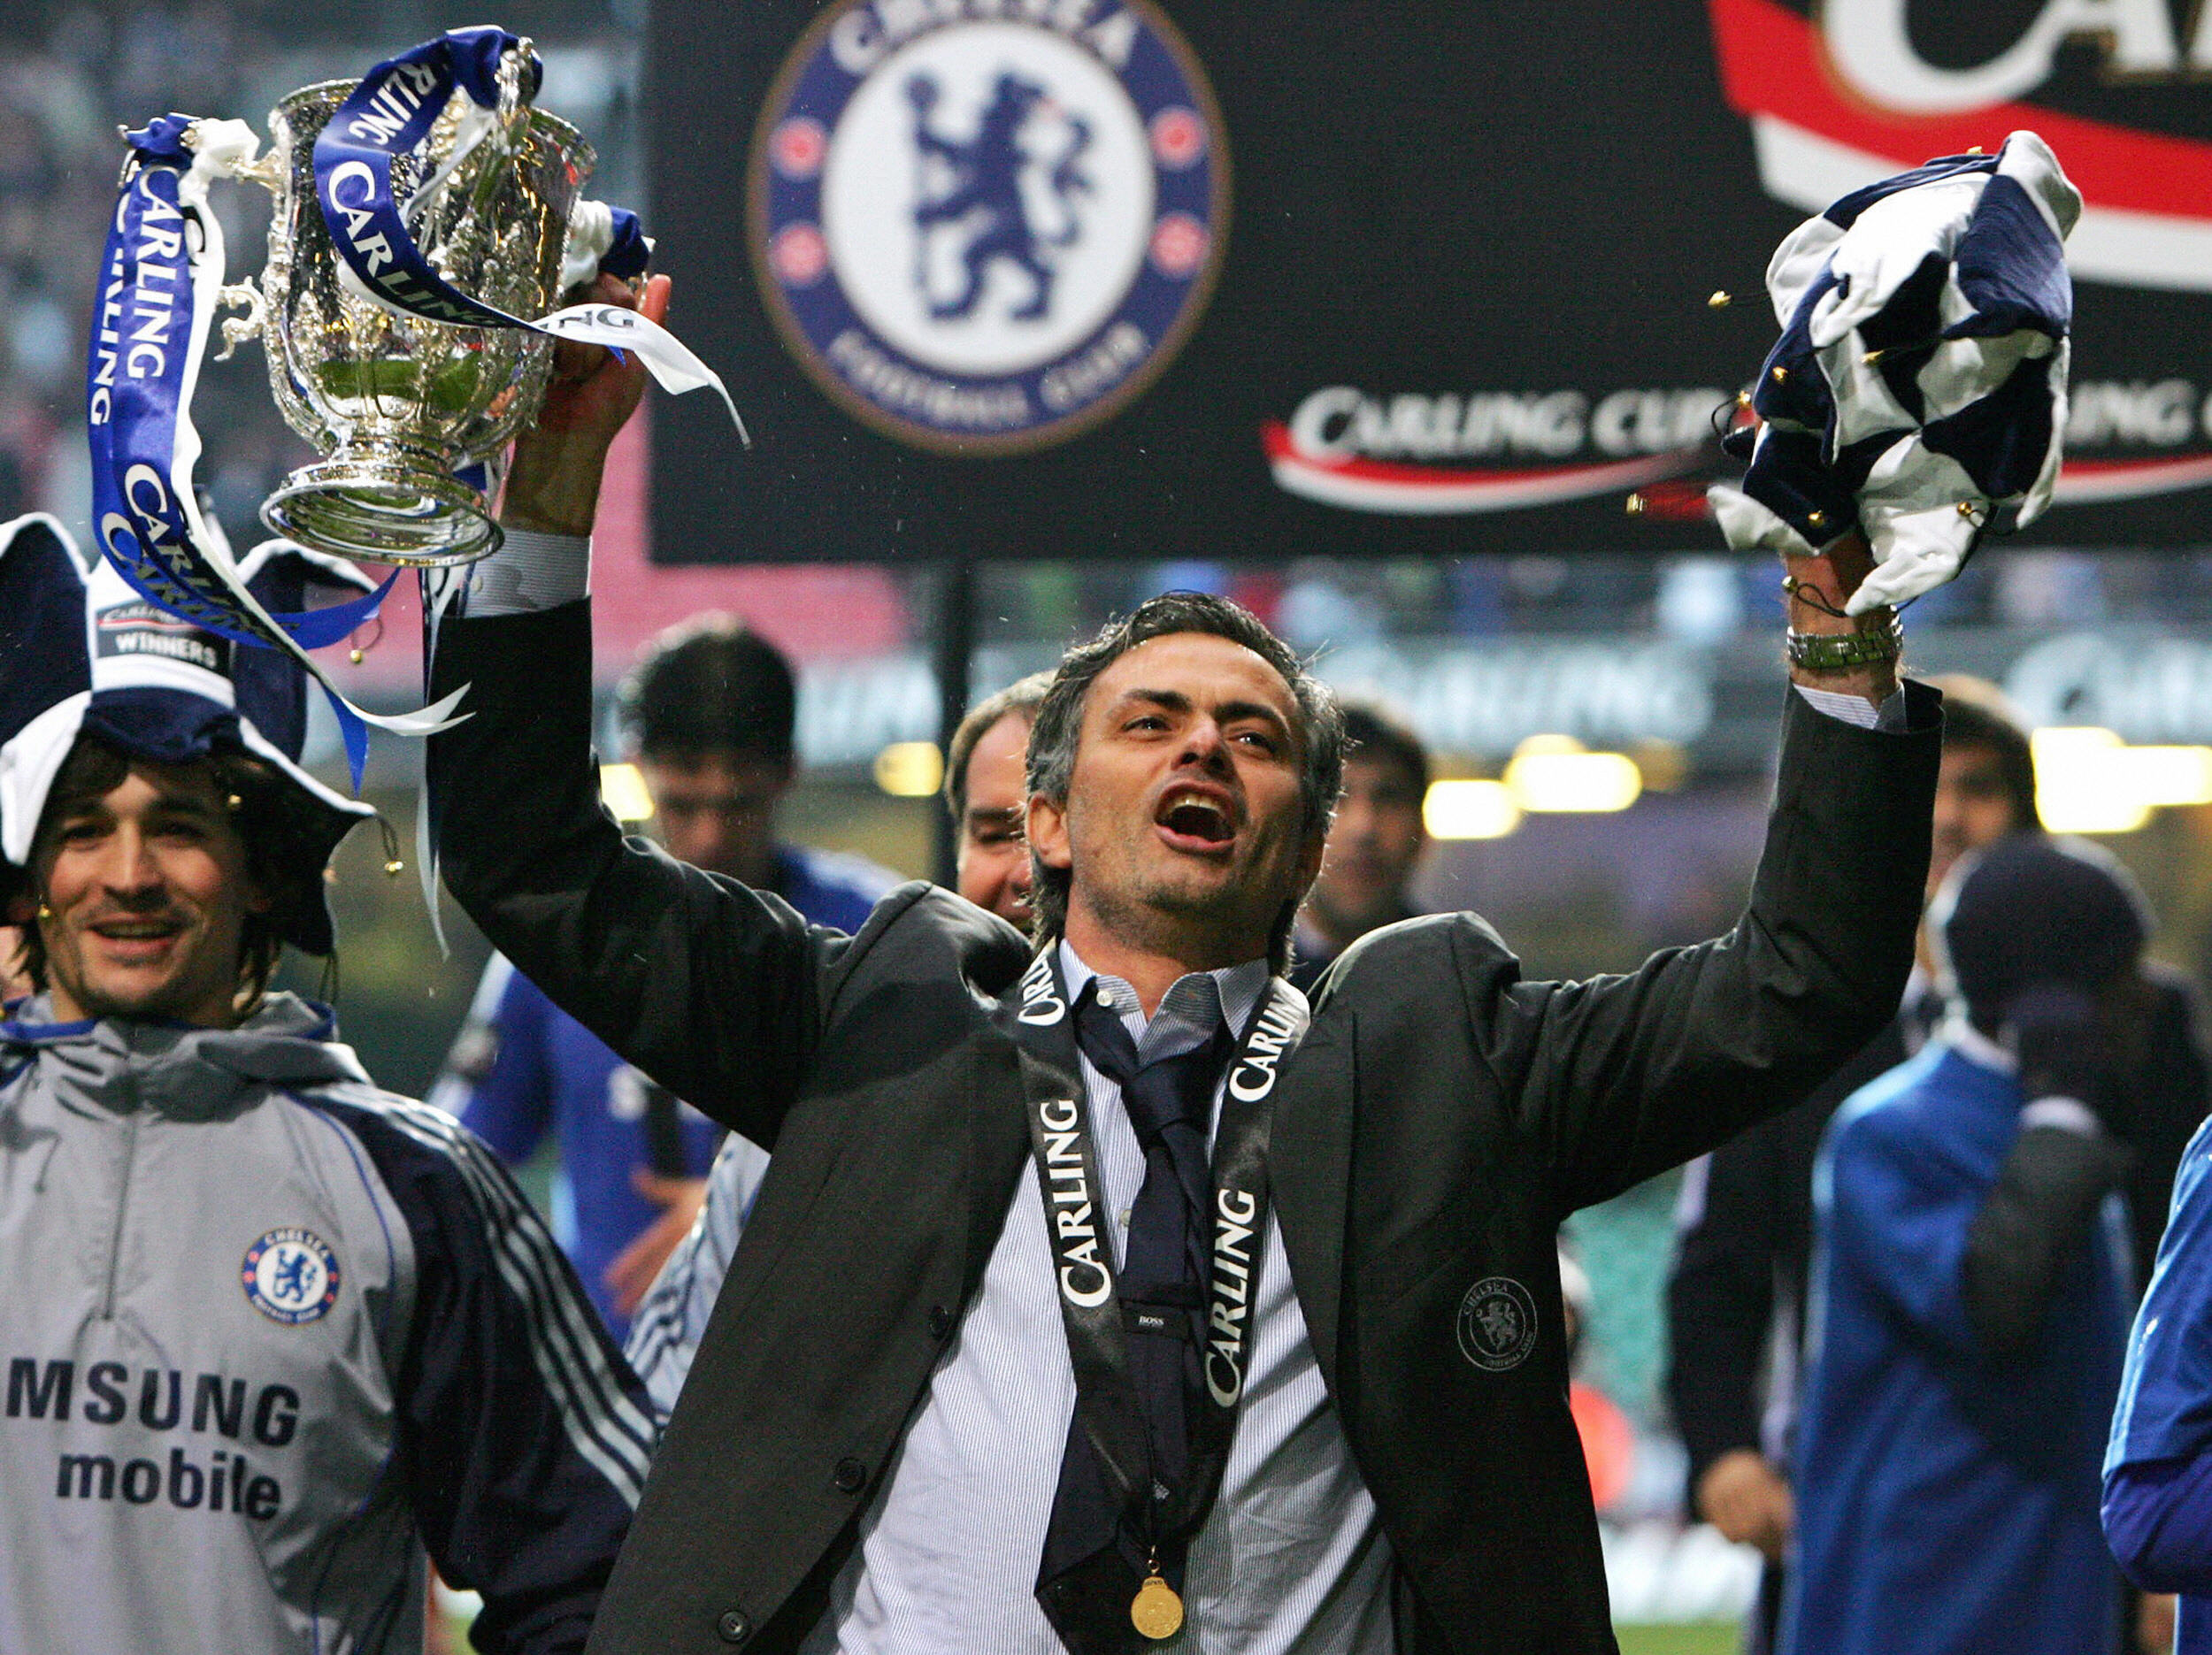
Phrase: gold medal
(1155,1611)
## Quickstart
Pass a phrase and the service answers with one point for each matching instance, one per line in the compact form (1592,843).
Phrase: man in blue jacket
(1969,1289)
(709,715)
(2158,1465)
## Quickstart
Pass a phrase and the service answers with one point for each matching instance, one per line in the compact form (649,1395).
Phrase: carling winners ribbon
(374,217)
(159,278)
(428,219)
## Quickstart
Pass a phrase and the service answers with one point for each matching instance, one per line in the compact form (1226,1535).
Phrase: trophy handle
(234,143)
(238,329)
(510,120)
(268,171)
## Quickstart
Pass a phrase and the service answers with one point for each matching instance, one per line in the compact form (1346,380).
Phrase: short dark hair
(1975,714)
(2031,910)
(1053,738)
(710,685)
(1021,697)
(94,770)
(1372,732)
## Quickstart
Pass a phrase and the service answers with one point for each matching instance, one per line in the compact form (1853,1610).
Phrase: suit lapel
(1310,1165)
(998,1133)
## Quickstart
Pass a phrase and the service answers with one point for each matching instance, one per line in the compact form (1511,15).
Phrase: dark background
(1439,197)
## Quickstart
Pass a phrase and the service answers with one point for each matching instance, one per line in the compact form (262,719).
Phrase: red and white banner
(1841,102)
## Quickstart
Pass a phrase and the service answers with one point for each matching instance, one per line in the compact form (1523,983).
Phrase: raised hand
(553,485)
(1820,587)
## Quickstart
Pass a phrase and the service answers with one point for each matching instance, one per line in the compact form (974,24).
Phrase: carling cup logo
(984,225)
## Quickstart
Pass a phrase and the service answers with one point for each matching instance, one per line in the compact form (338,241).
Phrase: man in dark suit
(1312,1396)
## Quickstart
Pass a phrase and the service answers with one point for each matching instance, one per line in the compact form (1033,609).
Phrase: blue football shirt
(1946,1502)
(2165,1407)
(523,1067)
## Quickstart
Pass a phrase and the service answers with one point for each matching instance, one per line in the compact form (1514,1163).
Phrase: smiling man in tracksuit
(269,1332)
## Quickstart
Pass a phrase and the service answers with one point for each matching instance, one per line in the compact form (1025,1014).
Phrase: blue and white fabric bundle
(83,652)
(1918,391)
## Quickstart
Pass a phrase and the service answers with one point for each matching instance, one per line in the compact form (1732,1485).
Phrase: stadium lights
(2087,780)
(1545,773)
(1664,765)
(622,789)
(910,769)
(1557,773)
(1470,809)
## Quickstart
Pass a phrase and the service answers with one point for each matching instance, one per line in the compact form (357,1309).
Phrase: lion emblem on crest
(1497,1324)
(986,189)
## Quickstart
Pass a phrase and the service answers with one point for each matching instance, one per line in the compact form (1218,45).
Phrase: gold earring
(45,912)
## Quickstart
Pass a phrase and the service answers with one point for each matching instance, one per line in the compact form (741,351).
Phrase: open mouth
(1198,819)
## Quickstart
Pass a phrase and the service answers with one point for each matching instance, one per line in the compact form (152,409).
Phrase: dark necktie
(1093,1564)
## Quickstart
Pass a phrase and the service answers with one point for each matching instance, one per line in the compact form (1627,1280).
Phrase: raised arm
(1625,1077)
(1631,1074)
(1622,1077)
(707,987)
(1611,1080)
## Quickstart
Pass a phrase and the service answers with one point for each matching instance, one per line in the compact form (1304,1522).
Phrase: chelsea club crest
(984,225)
(1497,1324)
(290,1276)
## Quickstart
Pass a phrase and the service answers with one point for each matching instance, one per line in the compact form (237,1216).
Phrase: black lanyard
(1037,1016)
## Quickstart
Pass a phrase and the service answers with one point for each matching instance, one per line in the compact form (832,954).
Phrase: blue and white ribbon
(390,114)
(159,280)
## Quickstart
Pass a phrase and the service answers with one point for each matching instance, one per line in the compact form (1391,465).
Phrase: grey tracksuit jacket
(267,1333)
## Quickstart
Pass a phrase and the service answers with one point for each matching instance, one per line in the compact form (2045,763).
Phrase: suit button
(733,1627)
(850,1477)
(939,1322)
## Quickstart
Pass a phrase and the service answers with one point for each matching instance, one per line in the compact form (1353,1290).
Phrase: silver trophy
(397,404)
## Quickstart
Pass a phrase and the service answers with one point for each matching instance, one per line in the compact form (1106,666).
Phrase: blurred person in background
(1971,1286)
(272,1333)
(1737,1297)
(1374,842)
(985,791)
(709,716)
(2157,1506)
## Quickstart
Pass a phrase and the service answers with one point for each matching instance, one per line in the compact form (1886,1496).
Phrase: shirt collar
(1194,1006)
(1972,1045)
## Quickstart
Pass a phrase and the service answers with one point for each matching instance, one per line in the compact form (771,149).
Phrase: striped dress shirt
(1291,1560)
